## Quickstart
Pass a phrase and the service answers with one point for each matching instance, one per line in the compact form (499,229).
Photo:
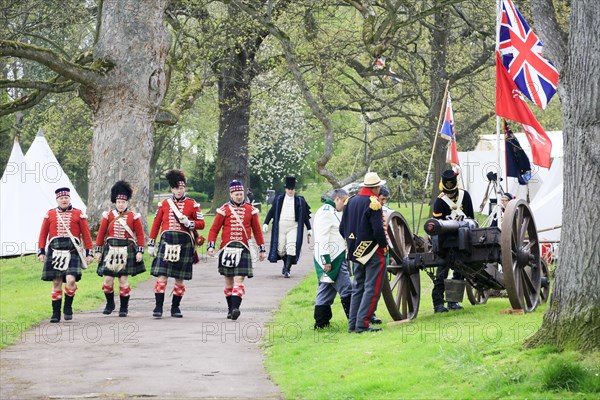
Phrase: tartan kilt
(244,267)
(132,268)
(49,273)
(181,269)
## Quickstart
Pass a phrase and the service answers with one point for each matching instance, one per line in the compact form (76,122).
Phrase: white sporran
(116,258)
(231,256)
(172,252)
(61,259)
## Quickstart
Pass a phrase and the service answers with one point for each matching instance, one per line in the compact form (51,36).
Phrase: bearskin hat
(120,191)
(176,178)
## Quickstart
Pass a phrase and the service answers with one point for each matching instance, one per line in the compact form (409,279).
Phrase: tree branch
(54,87)
(552,35)
(52,60)
(22,103)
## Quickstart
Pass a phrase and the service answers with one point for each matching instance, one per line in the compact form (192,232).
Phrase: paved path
(202,355)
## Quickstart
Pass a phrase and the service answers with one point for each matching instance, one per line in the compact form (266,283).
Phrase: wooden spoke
(402,290)
(520,256)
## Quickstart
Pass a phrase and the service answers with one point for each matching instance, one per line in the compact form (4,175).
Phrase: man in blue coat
(290,214)
(366,240)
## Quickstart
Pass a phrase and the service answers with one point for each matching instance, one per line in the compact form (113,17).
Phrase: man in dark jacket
(290,214)
(366,241)
(453,203)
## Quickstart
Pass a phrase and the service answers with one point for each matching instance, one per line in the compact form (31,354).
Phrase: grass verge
(474,353)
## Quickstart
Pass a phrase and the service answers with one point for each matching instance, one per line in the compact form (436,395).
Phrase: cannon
(505,258)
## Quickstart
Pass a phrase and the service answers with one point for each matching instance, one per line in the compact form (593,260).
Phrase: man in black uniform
(366,241)
(453,203)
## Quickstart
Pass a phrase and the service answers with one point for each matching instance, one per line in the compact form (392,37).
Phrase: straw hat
(372,180)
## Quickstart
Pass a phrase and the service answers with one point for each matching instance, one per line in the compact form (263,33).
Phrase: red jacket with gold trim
(232,230)
(110,227)
(52,228)
(165,219)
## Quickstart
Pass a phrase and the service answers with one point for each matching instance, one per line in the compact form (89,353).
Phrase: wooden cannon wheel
(402,289)
(477,296)
(545,288)
(520,256)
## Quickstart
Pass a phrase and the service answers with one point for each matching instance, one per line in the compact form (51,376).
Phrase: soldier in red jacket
(177,218)
(119,248)
(238,220)
(63,261)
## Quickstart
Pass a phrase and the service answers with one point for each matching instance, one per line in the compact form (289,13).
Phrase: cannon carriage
(490,258)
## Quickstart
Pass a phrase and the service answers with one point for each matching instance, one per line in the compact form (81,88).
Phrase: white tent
(547,205)
(544,191)
(48,172)
(22,207)
(475,165)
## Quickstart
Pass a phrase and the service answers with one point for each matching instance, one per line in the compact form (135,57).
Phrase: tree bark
(126,100)
(235,98)
(572,319)
(437,82)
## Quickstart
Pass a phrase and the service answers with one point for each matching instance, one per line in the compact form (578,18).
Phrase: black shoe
(68,308)
(228,298)
(369,329)
(55,311)
(158,310)
(286,275)
(110,303)
(454,306)
(375,320)
(124,309)
(439,308)
(175,311)
(236,302)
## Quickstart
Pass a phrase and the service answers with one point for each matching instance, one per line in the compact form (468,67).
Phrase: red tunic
(232,231)
(165,218)
(111,228)
(52,228)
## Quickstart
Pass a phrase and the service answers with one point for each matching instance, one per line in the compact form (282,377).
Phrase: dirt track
(202,355)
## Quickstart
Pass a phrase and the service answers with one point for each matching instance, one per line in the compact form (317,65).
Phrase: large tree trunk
(126,100)
(437,81)
(572,319)
(234,105)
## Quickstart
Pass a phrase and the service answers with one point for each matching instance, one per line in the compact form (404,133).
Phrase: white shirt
(287,209)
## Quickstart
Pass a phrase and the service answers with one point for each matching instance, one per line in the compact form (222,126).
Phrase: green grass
(474,353)
(25,298)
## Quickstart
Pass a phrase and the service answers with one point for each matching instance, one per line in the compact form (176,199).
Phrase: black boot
(322,316)
(158,310)
(124,309)
(68,309)
(288,266)
(175,311)
(55,310)
(346,304)
(228,298)
(110,303)
(236,301)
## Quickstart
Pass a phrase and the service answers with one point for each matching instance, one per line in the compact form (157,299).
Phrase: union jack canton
(521,50)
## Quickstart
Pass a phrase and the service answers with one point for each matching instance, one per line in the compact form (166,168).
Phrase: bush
(198,196)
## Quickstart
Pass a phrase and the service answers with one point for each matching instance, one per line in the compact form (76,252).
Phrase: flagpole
(437,130)
(498,21)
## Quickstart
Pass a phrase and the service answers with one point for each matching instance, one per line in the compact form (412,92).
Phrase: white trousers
(286,242)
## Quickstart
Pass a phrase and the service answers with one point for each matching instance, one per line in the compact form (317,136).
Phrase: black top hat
(120,191)
(449,183)
(290,182)
(176,178)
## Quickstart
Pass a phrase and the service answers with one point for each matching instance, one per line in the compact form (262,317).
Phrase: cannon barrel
(437,226)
